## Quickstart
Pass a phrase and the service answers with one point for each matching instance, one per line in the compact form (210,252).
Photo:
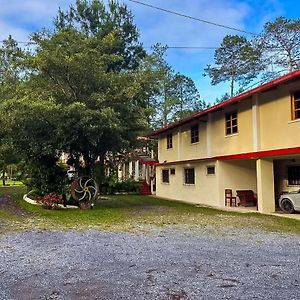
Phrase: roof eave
(240,97)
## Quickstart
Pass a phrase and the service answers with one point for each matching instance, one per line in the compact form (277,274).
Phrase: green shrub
(112,186)
(46,176)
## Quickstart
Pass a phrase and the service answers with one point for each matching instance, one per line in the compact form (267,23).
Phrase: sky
(20,18)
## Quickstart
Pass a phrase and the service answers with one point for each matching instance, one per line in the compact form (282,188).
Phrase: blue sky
(22,17)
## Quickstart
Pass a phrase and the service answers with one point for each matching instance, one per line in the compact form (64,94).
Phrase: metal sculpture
(84,189)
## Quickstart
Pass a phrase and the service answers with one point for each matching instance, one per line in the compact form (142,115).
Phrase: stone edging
(28,200)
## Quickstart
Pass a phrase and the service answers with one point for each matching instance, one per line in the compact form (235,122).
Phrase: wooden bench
(247,198)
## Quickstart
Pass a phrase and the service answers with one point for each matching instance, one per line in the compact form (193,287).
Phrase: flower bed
(50,201)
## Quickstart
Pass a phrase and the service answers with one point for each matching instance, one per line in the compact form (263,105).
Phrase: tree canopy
(174,95)
(280,42)
(274,50)
(81,94)
(236,60)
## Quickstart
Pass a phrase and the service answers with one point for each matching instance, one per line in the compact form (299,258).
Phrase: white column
(130,169)
(144,172)
(137,170)
(158,149)
(120,172)
(265,185)
(124,177)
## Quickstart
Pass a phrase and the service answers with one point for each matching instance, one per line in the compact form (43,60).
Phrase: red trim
(152,163)
(148,162)
(240,97)
(249,155)
(258,154)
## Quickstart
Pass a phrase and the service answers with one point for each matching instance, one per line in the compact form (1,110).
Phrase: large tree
(82,94)
(174,95)
(236,61)
(280,41)
(10,75)
(114,21)
(10,69)
(187,97)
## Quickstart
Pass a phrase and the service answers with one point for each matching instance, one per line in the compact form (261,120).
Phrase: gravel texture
(166,263)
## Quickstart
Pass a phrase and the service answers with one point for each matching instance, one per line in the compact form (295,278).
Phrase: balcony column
(137,170)
(179,144)
(265,185)
(255,124)
(130,169)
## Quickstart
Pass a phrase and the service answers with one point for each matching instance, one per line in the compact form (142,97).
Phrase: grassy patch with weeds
(130,212)
(10,182)
(15,191)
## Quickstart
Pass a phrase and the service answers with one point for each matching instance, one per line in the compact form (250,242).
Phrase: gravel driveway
(169,263)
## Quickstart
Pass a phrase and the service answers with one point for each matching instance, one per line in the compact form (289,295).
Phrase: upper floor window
(169,141)
(194,134)
(296,105)
(165,176)
(210,170)
(189,176)
(231,123)
(293,175)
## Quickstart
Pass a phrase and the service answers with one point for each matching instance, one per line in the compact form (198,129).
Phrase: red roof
(240,97)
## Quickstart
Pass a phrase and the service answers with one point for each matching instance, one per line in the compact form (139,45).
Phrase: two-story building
(249,142)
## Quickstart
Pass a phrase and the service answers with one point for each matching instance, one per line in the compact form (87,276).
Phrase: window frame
(169,140)
(187,178)
(289,175)
(165,171)
(231,128)
(194,133)
(294,100)
(210,167)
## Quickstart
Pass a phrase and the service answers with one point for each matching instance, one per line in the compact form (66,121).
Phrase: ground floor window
(189,176)
(165,176)
(293,175)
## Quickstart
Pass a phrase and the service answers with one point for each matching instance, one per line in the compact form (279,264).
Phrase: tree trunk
(232,87)
(165,109)
(3,176)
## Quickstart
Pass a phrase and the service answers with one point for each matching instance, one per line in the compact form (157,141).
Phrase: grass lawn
(133,212)
(9,182)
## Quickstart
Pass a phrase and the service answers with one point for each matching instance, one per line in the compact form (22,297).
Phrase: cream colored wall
(203,192)
(241,142)
(281,176)
(186,150)
(168,154)
(265,186)
(277,130)
(196,150)
(236,175)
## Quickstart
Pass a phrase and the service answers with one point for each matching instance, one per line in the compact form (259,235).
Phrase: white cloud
(32,10)
(20,18)
(175,30)
(17,33)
